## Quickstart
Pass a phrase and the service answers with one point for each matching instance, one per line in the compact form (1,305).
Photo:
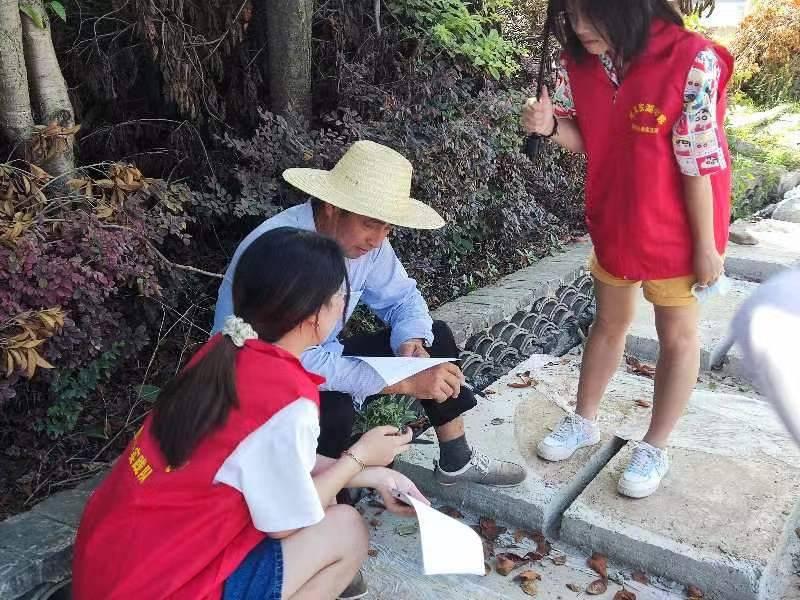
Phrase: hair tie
(238,330)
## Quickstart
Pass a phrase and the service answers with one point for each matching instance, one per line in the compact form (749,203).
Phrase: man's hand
(437,383)
(708,265)
(413,348)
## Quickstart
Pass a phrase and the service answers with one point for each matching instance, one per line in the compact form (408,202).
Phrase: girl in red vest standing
(221,493)
(644,100)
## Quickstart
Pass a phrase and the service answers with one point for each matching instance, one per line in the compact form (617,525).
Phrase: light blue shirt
(377,279)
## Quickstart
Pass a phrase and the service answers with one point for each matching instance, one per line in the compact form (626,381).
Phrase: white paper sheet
(396,368)
(448,546)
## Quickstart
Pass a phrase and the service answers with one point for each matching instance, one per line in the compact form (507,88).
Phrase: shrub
(767,49)
(72,263)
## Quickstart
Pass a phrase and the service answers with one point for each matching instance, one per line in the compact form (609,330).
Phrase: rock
(789,208)
(788,182)
(740,235)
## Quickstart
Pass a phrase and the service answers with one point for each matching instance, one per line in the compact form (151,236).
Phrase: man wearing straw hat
(358,202)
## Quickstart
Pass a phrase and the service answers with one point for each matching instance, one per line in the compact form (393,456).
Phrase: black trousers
(337,413)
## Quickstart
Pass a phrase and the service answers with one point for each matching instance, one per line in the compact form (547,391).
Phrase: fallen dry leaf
(528,575)
(497,421)
(529,587)
(644,403)
(694,593)
(560,560)
(599,564)
(639,368)
(451,512)
(374,522)
(525,383)
(597,587)
(574,587)
(624,595)
(489,529)
(373,552)
(640,577)
(508,561)
(534,556)
(489,392)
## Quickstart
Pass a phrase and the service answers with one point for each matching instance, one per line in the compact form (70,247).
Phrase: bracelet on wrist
(355,458)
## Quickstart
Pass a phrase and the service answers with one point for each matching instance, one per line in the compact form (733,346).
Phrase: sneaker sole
(497,485)
(559,455)
(637,493)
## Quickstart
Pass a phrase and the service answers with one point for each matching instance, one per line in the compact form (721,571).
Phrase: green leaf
(149,393)
(34,13)
(58,9)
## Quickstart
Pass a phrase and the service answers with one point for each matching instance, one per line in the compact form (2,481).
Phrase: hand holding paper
(435,378)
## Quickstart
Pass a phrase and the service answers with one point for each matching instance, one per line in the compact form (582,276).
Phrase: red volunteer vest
(149,532)
(635,208)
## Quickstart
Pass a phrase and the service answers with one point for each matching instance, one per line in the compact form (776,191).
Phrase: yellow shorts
(676,291)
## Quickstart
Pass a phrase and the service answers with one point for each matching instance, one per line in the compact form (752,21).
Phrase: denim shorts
(260,576)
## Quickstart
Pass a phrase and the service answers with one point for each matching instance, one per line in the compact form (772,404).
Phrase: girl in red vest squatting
(221,493)
(644,99)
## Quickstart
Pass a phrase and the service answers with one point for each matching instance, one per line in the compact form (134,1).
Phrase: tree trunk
(16,119)
(50,100)
(289,47)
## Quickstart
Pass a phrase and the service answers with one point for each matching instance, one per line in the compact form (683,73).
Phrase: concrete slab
(778,248)
(510,424)
(395,571)
(725,513)
(715,318)
(483,308)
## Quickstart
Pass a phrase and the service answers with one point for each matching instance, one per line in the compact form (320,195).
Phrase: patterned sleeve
(696,138)
(563,104)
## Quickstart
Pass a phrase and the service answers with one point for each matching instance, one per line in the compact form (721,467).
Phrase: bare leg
(320,561)
(450,431)
(676,370)
(616,307)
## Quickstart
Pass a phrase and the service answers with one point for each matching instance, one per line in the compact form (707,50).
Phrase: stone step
(394,570)
(778,248)
(510,423)
(725,516)
(715,318)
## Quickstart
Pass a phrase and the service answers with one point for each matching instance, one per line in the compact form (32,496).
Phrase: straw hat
(370,180)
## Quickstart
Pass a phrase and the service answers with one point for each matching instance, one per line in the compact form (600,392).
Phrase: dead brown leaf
(534,556)
(639,368)
(529,587)
(599,564)
(574,587)
(529,575)
(694,593)
(643,403)
(640,577)
(489,392)
(560,560)
(451,512)
(373,552)
(597,587)
(489,529)
(508,561)
(375,523)
(525,383)
(624,595)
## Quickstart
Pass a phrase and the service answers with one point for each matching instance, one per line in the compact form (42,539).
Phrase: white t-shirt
(272,467)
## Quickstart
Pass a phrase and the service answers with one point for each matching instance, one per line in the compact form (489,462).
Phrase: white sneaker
(572,433)
(645,471)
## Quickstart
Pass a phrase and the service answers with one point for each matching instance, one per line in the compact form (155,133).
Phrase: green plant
(386,410)
(72,387)
(463,33)
(35,12)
